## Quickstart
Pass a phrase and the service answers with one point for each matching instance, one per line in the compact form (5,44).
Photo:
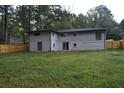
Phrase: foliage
(23,17)
(63,25)
(80,21)
(63,19)
(114,33)
(42,16)
(101,16)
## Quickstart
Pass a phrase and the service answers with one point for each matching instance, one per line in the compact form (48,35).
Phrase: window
(36,34)
(74,34)
(98,36)
(75,44)
(63,35)
(53,44)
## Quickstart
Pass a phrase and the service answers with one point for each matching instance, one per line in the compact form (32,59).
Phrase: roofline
(68,30)
(82,30)
(44,30)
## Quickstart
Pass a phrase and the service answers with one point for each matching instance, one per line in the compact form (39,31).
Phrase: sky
(78,6)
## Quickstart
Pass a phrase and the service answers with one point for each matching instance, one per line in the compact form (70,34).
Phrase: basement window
(75,44)
(36,34)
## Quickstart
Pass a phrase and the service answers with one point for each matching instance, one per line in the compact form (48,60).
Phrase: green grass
(62,69)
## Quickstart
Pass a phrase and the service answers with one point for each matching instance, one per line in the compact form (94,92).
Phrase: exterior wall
(84,41)
(54,41)
(44,38)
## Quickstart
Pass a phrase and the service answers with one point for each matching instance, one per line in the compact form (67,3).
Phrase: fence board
(12,48)
(115,44)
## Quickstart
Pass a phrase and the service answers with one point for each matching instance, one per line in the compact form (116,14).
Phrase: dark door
(39,46)
(65,45)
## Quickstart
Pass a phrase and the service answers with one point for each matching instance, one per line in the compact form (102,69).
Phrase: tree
(6,11)
(22,19)
(122,25)
(63,25)
(42,16)
(2,23)
(63,19)
(80,21)
(92,16)
(100,16)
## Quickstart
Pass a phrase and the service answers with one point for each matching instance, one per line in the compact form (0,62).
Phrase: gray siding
(84,41)
(44,38)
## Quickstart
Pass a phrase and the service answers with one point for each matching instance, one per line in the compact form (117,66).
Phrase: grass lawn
(62,69)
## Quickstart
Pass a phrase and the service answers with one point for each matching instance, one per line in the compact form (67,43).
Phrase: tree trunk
(2,28)
(29,14)
(6,25)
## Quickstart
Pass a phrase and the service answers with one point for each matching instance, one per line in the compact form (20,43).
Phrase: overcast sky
(116,7)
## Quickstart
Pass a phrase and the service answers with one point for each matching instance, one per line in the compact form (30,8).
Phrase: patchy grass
(63,69)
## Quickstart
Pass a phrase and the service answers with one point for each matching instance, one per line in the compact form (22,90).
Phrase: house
(15,40)
(12,40)
(67,40)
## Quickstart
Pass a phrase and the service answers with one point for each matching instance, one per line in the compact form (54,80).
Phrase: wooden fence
(114,44)
(12,48)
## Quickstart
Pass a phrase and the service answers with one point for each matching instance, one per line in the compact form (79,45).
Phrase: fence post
(9,48)
(113,44)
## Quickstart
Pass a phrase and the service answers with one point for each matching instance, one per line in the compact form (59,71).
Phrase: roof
(69,30)
(82,30)
(43,30)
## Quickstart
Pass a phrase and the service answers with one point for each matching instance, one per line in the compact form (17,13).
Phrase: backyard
(63,69)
